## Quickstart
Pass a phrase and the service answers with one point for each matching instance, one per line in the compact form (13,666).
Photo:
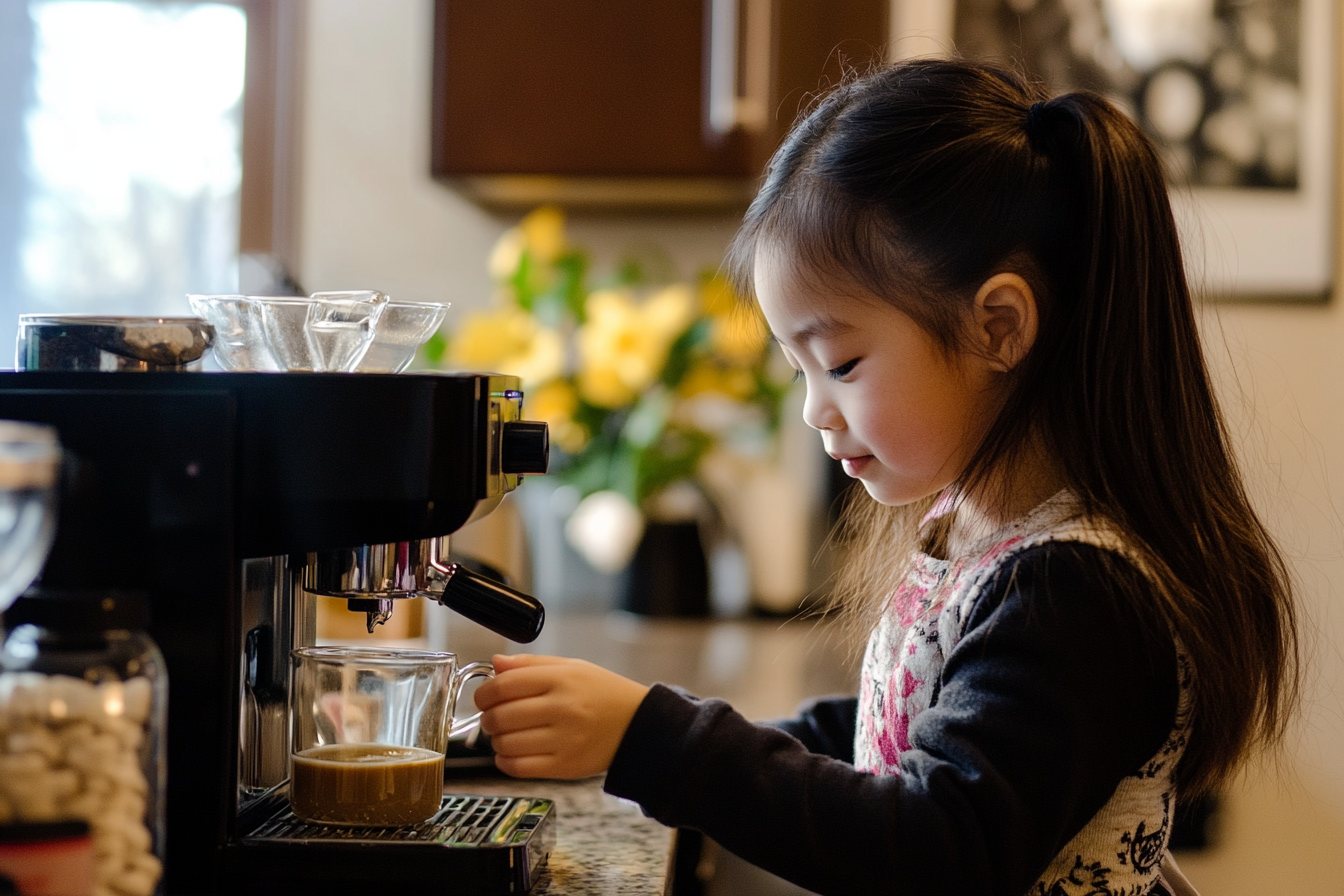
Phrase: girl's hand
(552,717)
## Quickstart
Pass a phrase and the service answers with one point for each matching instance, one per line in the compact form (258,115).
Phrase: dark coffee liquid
(366,784)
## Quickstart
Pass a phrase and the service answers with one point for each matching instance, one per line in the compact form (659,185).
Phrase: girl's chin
(895,496)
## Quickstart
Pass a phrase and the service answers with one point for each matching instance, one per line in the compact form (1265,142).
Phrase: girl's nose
(819,412)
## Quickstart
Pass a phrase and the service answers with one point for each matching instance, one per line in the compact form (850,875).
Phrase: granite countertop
(604,846)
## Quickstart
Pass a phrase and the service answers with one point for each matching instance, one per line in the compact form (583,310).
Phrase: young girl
(1077,619)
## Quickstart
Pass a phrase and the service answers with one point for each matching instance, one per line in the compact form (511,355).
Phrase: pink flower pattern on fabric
(924,620)
(904,659)
(888,703)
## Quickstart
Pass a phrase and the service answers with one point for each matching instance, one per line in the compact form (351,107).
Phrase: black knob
(526,447)
(513,614)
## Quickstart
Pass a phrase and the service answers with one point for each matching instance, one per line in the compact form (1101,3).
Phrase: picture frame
(1243,242)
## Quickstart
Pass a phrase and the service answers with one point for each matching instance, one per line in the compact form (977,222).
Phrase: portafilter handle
(513,614)
(505,611)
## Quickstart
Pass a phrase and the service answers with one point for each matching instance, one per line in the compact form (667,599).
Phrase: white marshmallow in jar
(83,702)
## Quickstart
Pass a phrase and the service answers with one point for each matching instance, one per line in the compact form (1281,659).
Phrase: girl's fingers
(514,684)
(527,742)
(505,662)
(540,766)
(517,715)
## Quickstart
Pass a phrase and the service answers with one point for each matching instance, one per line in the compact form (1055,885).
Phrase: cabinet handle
(727,108)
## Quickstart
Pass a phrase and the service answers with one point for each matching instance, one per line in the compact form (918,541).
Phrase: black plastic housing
(171,479)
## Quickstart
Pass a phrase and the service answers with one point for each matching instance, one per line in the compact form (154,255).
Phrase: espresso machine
(233,499)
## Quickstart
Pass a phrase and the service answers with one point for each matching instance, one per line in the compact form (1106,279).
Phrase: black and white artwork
(1238,96)
(1217,85)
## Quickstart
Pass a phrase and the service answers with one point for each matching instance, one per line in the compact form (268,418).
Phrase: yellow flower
(739,338)
(541,233)
(623,346)
(670,310)
(735,382)
(509,340)
(544,234)
(506,254)
(555,404)
(738,335)
(718,296)
(603,387)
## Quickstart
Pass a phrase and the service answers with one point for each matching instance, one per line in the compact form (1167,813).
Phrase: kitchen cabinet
(608,103)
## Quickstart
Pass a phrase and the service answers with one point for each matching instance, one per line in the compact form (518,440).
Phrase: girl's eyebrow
(818,327)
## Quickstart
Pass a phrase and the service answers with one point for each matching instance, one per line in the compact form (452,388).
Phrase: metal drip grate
(461,821)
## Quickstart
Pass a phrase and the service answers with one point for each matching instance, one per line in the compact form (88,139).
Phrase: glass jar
(83,704)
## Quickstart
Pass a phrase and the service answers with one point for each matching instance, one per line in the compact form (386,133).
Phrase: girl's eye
(797,375)
(839,373)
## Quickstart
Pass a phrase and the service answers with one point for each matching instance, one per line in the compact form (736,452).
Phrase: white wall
(372,217)
(1281,379)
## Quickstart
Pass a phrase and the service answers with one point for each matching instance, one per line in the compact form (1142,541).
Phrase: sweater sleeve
(1057,690)
(824,725)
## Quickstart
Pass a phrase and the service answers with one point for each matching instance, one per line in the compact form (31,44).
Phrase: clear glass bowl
(404,327)
(350,331)
(240,338)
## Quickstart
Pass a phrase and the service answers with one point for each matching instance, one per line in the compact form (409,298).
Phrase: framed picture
(1239,98)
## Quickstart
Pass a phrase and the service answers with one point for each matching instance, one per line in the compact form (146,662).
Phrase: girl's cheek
(882,411)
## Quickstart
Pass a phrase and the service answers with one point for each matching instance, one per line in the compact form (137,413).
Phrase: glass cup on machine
(370,729)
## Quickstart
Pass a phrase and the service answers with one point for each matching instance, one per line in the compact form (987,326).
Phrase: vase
(669,574)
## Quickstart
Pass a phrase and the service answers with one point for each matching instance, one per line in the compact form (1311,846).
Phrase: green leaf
(572,268)
(683,350)
(623,475)
(646,421)
(676,456)
(522,281)
(630,272)
(434,349)
(589,472)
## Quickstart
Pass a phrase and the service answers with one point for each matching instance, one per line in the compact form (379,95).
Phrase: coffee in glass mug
(369,730)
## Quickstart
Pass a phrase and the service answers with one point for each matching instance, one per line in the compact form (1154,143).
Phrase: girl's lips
(854,465)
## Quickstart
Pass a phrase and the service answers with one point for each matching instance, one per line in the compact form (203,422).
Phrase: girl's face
(900,414)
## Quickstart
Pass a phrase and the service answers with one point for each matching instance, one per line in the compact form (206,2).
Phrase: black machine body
(214,493)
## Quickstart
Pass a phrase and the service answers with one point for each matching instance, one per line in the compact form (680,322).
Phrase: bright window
(120,145)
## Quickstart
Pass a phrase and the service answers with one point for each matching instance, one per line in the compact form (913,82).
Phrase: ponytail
(922,180)
(1153,455)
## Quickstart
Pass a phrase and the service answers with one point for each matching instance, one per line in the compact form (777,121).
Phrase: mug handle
(465,674)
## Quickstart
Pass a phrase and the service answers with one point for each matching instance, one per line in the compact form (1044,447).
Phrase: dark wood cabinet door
(574,87)
(604,102)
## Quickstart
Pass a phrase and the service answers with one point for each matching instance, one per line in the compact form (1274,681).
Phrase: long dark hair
(920,181)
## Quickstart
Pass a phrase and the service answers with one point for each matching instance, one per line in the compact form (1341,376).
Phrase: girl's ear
(1005,320)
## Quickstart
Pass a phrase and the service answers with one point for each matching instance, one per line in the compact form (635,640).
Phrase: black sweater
(1057,690)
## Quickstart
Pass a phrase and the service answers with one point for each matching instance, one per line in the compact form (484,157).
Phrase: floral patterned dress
(1122,850)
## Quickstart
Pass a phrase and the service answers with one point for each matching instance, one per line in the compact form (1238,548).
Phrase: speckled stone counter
(604,846)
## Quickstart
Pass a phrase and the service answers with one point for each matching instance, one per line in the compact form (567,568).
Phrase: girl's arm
(555,717)
(824,725)
(1054,694)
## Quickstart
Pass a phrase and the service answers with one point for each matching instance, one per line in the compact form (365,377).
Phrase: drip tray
(463,821)
(473,845)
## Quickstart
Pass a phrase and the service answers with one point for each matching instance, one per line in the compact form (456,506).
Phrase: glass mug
(370,729)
